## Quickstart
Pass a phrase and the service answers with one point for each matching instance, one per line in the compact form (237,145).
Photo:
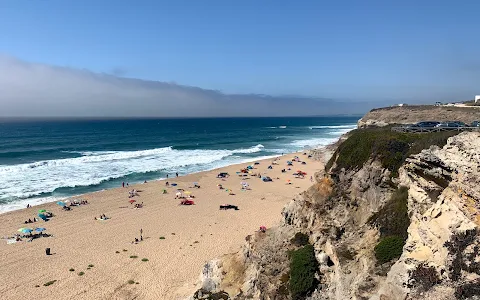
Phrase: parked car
(476,124)
(426,124)
(452,124)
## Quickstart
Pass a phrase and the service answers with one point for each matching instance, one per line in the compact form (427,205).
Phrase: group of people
(77,203)
(132,193)
(138,205)
(136,240)
(30,220)
(102,217)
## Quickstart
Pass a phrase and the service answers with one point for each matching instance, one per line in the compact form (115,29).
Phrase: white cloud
(37,90)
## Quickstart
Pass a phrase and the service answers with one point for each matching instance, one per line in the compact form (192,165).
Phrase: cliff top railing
(412,129)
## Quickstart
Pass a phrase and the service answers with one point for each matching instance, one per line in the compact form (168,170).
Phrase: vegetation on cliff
(303,266)
(389,147)
(392,222)
(389,248)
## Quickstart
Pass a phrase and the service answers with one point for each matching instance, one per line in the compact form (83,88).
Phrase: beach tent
(43,217)
(61,203)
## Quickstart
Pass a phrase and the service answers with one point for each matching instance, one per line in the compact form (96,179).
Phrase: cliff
(414,114)
(393,216)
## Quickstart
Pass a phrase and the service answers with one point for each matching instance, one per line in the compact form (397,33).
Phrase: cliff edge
(414,114)
(392,216)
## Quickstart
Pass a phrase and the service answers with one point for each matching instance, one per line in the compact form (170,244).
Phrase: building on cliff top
(477,98)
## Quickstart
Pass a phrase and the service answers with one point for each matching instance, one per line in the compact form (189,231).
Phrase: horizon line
(93,118)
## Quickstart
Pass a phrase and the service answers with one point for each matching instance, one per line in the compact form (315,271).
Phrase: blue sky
(342,49)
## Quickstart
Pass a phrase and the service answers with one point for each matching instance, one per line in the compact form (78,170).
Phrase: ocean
(42,161)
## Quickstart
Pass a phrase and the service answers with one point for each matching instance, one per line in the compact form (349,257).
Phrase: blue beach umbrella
(61,203)
(40,229)
(25,230)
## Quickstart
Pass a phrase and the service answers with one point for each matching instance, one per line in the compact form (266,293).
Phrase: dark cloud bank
(37,90)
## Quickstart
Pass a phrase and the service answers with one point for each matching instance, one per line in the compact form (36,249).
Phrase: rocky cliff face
(414,114)
(432,207)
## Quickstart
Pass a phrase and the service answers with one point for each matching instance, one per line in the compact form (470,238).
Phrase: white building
(477,98)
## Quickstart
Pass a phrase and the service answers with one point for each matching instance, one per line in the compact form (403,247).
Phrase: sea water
(51,159)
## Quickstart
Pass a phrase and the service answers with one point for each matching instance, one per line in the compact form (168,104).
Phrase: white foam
(33,179)
(352,126)
(19,204)
(315,142)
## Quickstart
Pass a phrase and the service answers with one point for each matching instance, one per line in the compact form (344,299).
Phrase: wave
(282,127)
(314,142)
(93,168)
(351,126)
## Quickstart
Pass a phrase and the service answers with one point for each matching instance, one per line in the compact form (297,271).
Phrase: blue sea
(42,161)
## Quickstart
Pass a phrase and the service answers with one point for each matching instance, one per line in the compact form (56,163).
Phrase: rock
(443,235)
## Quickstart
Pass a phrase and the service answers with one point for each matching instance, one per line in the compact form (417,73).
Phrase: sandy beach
(191,235)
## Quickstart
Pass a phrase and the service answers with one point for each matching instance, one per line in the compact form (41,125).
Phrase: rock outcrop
(346,215)
(413,114)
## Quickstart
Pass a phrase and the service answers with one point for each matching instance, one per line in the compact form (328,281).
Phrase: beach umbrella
(40,229)
(61,203)
(25,230)
(42,210)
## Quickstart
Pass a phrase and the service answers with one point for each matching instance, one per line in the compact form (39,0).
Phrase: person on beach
(167,176)
(176,174)
(123,184)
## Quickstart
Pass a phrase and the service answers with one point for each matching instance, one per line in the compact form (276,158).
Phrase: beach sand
(192,235)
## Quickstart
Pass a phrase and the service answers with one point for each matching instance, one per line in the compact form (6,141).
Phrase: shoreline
(38,201)
(192,234)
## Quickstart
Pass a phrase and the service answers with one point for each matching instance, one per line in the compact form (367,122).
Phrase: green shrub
(131,282)
(162,237)
(49,283)
(81,274)
(133,256)
(71,269)
(144,259)
(90,266)
(300,239)
(389,147)
(389,248)
(303,266)
(392,218)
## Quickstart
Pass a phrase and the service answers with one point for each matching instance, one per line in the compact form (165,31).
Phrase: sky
(367,51)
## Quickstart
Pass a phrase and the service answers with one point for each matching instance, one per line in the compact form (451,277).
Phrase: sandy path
(193,235)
